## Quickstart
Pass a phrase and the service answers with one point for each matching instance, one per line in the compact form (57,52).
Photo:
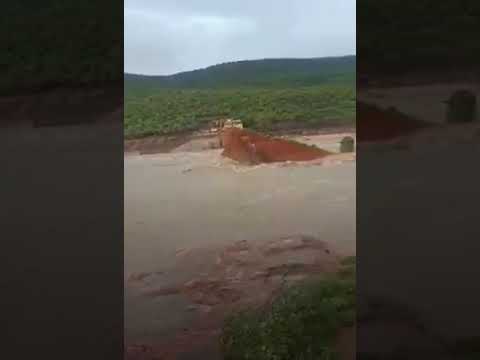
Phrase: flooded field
(183,200)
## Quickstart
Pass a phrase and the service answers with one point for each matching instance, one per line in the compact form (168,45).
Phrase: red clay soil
(374,124)
(248,147)
(244,274)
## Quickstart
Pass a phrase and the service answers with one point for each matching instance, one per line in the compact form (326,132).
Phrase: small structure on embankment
(218,125)
(248,147)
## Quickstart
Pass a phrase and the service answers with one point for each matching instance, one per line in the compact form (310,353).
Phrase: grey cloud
(164,37)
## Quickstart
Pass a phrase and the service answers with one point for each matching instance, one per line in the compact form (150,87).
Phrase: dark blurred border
(398,37)
(416,216)
(61,136)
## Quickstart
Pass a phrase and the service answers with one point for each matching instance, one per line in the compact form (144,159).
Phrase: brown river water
(184,200)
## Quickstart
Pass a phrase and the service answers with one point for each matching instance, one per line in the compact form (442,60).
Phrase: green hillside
(265,94)
(256,73)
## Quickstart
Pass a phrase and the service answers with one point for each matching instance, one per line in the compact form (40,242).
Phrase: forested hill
(254,73)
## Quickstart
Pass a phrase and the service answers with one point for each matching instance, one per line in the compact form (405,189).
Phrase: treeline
(267,73)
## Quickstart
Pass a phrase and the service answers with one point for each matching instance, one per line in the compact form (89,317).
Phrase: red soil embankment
(375,124)
(252,148)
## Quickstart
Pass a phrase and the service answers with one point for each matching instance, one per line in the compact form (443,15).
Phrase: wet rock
(241,245)
(211,292)
(259,275)
(193,283)
(237,277)
(239,254)
(227,294)
(284,245)
(246,271)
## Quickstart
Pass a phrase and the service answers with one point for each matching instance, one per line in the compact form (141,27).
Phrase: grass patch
(301,324)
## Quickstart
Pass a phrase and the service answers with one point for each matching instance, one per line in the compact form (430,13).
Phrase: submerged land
(207,233)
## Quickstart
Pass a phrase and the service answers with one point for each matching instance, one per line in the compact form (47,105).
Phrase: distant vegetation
(168,111)
(255,73)
(303,323)
(264,94)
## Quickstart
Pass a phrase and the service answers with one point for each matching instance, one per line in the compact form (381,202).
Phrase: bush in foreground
(301,324)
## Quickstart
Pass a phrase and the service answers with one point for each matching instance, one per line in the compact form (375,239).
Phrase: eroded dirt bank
(204,140)
(248,147)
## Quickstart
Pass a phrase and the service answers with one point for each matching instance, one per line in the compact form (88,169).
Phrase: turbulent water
(186,200)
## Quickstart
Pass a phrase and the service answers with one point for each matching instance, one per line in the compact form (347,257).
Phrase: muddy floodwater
(182,200)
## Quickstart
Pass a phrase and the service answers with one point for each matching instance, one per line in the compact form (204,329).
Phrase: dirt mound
(242,273)
(228,278)
(249,147)
(374,124)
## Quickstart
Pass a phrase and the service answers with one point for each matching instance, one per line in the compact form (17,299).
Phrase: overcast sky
(168,36)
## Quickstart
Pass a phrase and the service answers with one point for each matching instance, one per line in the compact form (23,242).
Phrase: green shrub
(302,323)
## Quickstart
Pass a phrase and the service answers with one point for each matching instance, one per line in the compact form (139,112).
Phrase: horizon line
(237,61)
